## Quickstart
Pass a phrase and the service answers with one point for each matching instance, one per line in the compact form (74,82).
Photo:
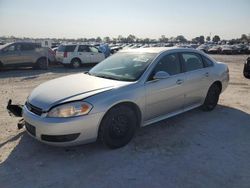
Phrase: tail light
(65,54)
(52,52)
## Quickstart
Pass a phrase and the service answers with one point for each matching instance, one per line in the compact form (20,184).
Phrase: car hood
(70,88)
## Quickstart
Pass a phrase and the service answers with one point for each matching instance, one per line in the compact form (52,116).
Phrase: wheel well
(76,58)
(1,64)
(218,83)
(40,59)
(131,105)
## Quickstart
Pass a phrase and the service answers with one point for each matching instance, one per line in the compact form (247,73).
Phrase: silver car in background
(130,89)
(20,54)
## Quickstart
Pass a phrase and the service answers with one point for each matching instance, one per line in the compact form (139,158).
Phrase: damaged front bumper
(16,110)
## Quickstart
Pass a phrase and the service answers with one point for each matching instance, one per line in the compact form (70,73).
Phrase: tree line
(133,39)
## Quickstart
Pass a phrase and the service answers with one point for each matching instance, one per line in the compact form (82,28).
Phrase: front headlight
(70,109)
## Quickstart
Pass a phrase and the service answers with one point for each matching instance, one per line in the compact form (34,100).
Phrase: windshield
(123,66)
(3,46)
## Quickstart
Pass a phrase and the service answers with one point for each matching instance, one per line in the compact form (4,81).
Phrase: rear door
(96,56)
(27,53)
(197,78)
(84,53)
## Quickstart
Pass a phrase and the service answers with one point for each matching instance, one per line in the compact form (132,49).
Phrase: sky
(142,18)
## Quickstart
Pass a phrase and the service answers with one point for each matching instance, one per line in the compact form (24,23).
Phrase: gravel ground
(195,149)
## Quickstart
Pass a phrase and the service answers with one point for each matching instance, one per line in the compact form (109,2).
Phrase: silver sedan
(130,89)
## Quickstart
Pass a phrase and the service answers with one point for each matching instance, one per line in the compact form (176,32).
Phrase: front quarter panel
(134,93)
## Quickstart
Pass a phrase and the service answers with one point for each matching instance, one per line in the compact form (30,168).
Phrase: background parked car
(25,54)
(76,55)
(241,48)
(203,48)
(214,50)
(228,49)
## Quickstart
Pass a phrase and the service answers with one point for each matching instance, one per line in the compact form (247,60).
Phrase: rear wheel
(118,127)
(75,63)
(42,64)
(212,98)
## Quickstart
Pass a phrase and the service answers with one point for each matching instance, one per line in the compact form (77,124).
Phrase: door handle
(206,74)
(179,81)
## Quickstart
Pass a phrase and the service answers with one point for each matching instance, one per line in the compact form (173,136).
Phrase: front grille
(30,128)
(60,138)
(34,109)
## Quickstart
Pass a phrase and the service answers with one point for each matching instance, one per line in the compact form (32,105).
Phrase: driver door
(165,96)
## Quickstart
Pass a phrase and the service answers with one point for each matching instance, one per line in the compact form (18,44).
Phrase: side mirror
(161,75)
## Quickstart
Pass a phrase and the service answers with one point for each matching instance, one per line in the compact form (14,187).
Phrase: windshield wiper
(108,77)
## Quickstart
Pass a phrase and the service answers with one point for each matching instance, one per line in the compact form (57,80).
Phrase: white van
(77,54)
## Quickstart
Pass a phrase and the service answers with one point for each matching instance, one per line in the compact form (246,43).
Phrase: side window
(93,49)
(169,63)
(192,61)
(10,48)
(83,48)
(69,48)
(36,45)
(27,47)
(207,62)
(17,47)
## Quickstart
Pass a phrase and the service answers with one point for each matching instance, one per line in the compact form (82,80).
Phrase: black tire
(246,70)
(118,127)
(246,75)
(42,64)
(75,63)
(212,98)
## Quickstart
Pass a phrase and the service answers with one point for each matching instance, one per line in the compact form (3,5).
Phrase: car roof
(158,50)
(76,44)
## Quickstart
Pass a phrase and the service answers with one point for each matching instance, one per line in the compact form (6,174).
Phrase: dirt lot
(195,149)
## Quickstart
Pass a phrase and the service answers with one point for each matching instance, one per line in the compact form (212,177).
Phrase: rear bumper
(62,131)
(62,60)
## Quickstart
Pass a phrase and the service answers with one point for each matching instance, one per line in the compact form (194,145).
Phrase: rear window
(208,62)
(66,48)
(192,61)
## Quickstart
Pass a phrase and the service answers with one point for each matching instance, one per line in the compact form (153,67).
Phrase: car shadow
(30,73)
(193,135)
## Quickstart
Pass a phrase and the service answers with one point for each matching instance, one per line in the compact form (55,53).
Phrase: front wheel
(212,98)
(118,127)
